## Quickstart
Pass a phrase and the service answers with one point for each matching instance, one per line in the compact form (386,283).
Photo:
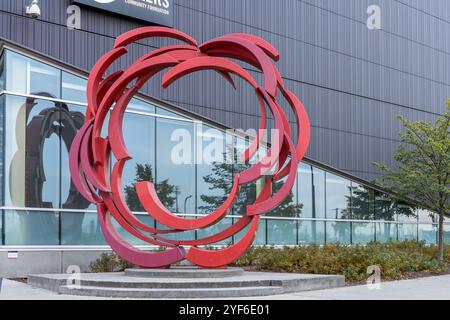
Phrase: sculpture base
(184,272)
(184,283)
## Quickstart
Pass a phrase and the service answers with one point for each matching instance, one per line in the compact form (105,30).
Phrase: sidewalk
(431,288)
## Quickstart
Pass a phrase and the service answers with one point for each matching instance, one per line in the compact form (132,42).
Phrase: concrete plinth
(184,283)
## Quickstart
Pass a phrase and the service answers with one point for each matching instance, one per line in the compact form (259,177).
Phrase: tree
(423,168)
(166,192)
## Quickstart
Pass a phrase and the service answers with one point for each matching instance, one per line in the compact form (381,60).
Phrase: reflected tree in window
(221,177)
(167,193)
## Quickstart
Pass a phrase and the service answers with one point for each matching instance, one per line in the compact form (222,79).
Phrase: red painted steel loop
(90,153)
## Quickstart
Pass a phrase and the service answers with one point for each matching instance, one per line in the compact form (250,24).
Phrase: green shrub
(109,262)
(397,260)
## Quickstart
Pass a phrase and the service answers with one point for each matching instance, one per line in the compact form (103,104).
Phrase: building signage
(158,12)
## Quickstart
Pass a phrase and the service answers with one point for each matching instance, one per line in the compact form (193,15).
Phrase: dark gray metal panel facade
(353,81)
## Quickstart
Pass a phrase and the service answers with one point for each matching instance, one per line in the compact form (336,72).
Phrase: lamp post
(185,202)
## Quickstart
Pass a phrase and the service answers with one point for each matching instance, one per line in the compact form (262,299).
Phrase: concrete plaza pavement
(429,288)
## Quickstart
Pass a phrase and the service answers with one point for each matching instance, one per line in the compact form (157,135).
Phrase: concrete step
(244,284)
(205,293)
(184,272)
(144,283)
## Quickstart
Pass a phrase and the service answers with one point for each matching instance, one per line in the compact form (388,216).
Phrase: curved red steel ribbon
(129,253)
(90,152)
(151,203)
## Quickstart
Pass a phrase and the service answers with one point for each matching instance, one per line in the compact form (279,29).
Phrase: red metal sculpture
(90,152)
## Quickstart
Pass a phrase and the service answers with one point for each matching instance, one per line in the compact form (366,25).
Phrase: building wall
(353,81)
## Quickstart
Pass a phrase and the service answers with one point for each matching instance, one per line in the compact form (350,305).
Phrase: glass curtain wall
(191,164)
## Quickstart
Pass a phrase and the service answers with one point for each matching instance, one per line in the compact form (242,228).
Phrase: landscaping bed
(396,260)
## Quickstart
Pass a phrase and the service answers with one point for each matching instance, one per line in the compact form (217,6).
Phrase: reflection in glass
(72,117)
(407,231)
(175,163)
(32,154)
(311,232)
(289,207)
(73,88)
(305,190)
(185,235)
(28,76)
(215,229)
(426,216)
(428,233)
(385,232)
(384,207)
(139,137)
(165,112)
(362,232)
(311,191)
(141,106)
(447,233)
(405,213)
(2,72)
(338,195)
(260,238)
(80,229)
(2,165)
(281,232)
(214,174)
(247,192)
(361,200)
(338,232)
(24,228)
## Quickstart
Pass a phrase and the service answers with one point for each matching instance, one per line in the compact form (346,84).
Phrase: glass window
(288,207)
(247,192)
(215,229)
(427,216)
(311,232)
(407,231)
(385,232)
(72,119)
(2,72)
(32,154)
(406,213)
(79,228)
(2,218)
(447,233)
(311,191)
(2,113)
(73,88)
(428,233)
(184,235)
(175,168)
(281,232)
(305,190)
(260,238)
(361,202)
(17,69)
(25,228)
(214,174)
(25,75)
(141,106)
(384,207)
(363,232)
(338,232)
(139,137)
(165,112)
(338,197)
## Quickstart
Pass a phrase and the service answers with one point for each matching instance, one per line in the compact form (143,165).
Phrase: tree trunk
(440,253)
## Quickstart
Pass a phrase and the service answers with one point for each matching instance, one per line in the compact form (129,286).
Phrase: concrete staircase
(184,283)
